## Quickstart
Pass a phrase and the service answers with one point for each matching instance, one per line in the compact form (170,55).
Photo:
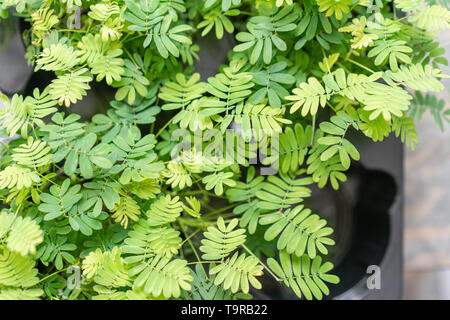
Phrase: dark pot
(366,213)
(367,217)
(14,71)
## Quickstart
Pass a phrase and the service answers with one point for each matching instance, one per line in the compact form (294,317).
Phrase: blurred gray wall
(427,206)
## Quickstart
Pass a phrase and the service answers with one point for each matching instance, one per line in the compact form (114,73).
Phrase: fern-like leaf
(205,289)
(164,210)
(237,273)
(109,66)
(304,276)
(59,57)
(217,181)
(43,20)
(60,200)
(33,154)
(101,193)
(421,103)
(323,171)
(335,140)
(405,128)
(416,77)
(390,50)
(271,81)
(146,189)
(193,206)
(103,11)
(218,19)
(221,241)
(90,48)
(177,175)
(386,101)
(70,87)
(131,82)
(113,271)
(160,275)
(408,5)
(136,159)
(336,7)
(20,294)
(178,94)
(436,17)
(298,231)
(92,263)
(24,234)
(17,270)
(376,129)
(126,209)
(246,191)
(264,32)
(292,149)
(230,87)
(18,177)
(281,192)
(149,18)
(145,241)
(310,94)
(19,114)
(82,154)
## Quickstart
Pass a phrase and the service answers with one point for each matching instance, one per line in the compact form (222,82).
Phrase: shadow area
(359,213)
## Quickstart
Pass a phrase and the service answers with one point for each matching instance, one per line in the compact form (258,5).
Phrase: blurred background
(427,206)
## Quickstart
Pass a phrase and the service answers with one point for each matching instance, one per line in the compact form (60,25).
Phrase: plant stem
(348,55)
(72,30)
(329,104)
(196,223)
(223,209)
(360,65)
(188,238)
(131,58)
(400,19)
(313,130)
(165,126)
(265,267)
(202,262)
(206,193)
(17,211)
(343,67)
(45,177)
(50,275)
(326,60)
(152,128)
(134,38)
(191,245)
(247,13)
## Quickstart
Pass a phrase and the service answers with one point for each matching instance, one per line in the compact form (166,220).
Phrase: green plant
(145,217)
